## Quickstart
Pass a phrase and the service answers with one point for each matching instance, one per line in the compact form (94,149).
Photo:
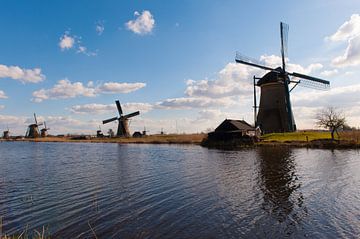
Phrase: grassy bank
(300,136)
(151,139)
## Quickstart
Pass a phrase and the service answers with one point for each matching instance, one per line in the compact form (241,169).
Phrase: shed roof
(233,125)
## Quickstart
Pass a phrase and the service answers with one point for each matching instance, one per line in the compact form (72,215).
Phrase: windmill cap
(270,77)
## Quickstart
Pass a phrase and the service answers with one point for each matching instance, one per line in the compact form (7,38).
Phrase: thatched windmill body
(44,131)
(33,129)
(123,121)
(275,112)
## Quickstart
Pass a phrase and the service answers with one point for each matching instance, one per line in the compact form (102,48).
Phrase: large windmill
(33,129)
(123,126)
(275,113)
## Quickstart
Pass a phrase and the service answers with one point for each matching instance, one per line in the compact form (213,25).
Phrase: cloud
(347,30)
(143,24)
(68,41)
(190,102)
(3,95)
(343,96)
(62,90)
(115,87)
(65,89)
(20,74)
(2,107)
(329,73)
(236,79)
(99,27)
(110,108)
(351,56)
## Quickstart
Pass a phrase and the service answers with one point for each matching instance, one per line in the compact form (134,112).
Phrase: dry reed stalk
(92,230)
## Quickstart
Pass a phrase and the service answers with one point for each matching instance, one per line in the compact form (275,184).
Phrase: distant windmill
(33,129)
(275,113)
(44,131)
(6,134)
(123,126)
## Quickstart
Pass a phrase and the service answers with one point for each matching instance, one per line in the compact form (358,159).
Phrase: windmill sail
(284,30)
(123,125)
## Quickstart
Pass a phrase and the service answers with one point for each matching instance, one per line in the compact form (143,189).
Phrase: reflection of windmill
(44,131)
(123,126)
(33,129)
(275,114)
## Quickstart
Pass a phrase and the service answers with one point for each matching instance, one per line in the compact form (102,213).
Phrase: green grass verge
(296,136)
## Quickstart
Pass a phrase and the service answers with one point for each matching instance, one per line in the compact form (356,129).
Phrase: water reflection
(278,180)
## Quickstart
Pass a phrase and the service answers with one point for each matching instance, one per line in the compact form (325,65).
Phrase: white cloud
(343,96)
(329,73)
(116,87)
(351,56)
(143,24)
(2,107)
(142,107)
(110,108)
(347,30)
(99,27)
(20,74)
(3,95)
(66,41)
(190,102)
(62,90)
(236,79)
(65,89)
(276,61)
(85,51)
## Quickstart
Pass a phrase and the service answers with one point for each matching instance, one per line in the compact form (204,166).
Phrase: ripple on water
(177,191)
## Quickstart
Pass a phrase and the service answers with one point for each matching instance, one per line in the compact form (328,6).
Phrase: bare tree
(331,119)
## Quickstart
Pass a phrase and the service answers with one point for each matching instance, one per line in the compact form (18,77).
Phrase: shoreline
(200,139)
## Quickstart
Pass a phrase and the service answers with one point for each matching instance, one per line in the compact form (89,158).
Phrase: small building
(233,129)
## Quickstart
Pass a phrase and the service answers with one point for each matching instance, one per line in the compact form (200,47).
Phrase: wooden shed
(233,129)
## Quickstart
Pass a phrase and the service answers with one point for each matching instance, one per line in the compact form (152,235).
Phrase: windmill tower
(44,131)
(33,129)
(123,126)
(275,113)
(6,134)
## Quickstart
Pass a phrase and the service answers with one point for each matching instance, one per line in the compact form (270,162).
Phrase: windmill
(33,129)
(6,134)
(44,131)
(123,126)
(275,113)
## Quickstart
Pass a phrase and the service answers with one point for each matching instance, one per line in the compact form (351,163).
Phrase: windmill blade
(35,119)
(40,124)
(311,78)
(251,62)
(110,120)
(131,115)
(44,124)
(284,31)
(311,82)
(119,107)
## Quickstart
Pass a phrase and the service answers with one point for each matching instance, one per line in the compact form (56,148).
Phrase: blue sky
(173,60)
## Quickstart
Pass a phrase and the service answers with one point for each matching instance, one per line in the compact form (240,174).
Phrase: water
(172,191)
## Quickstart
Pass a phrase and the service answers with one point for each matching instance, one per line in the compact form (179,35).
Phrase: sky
(174,61)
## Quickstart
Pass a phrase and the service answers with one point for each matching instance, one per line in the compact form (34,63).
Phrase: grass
(150,139)
(303,136)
